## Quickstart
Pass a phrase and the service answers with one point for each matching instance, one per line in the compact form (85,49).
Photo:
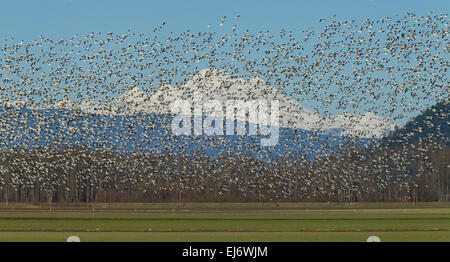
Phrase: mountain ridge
(214,84)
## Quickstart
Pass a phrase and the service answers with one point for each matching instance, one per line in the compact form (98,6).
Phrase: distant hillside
(431,124)
(151,133)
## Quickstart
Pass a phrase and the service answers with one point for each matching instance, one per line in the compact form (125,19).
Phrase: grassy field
(226,222)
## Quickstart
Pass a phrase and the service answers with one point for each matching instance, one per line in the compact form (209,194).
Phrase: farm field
(226,222)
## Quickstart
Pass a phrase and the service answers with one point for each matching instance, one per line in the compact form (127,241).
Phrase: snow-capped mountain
(213,84)
(64,103)
(366,125)
(132,102)
(86,106)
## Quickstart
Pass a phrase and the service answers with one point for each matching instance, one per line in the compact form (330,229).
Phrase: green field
(226,222)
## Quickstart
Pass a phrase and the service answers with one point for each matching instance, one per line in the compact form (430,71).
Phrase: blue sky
(27,19)
(61,19)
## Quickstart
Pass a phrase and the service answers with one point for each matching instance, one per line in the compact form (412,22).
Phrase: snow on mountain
(213,84)
(132,102)
(366,125)
(90,107)
(64,103)
(86,106)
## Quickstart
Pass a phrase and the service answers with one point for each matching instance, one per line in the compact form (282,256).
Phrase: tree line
(413,172)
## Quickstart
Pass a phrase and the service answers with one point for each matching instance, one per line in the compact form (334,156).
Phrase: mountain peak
(65,103)
(131,102)
(211,72)
(133,94)
(215,84)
